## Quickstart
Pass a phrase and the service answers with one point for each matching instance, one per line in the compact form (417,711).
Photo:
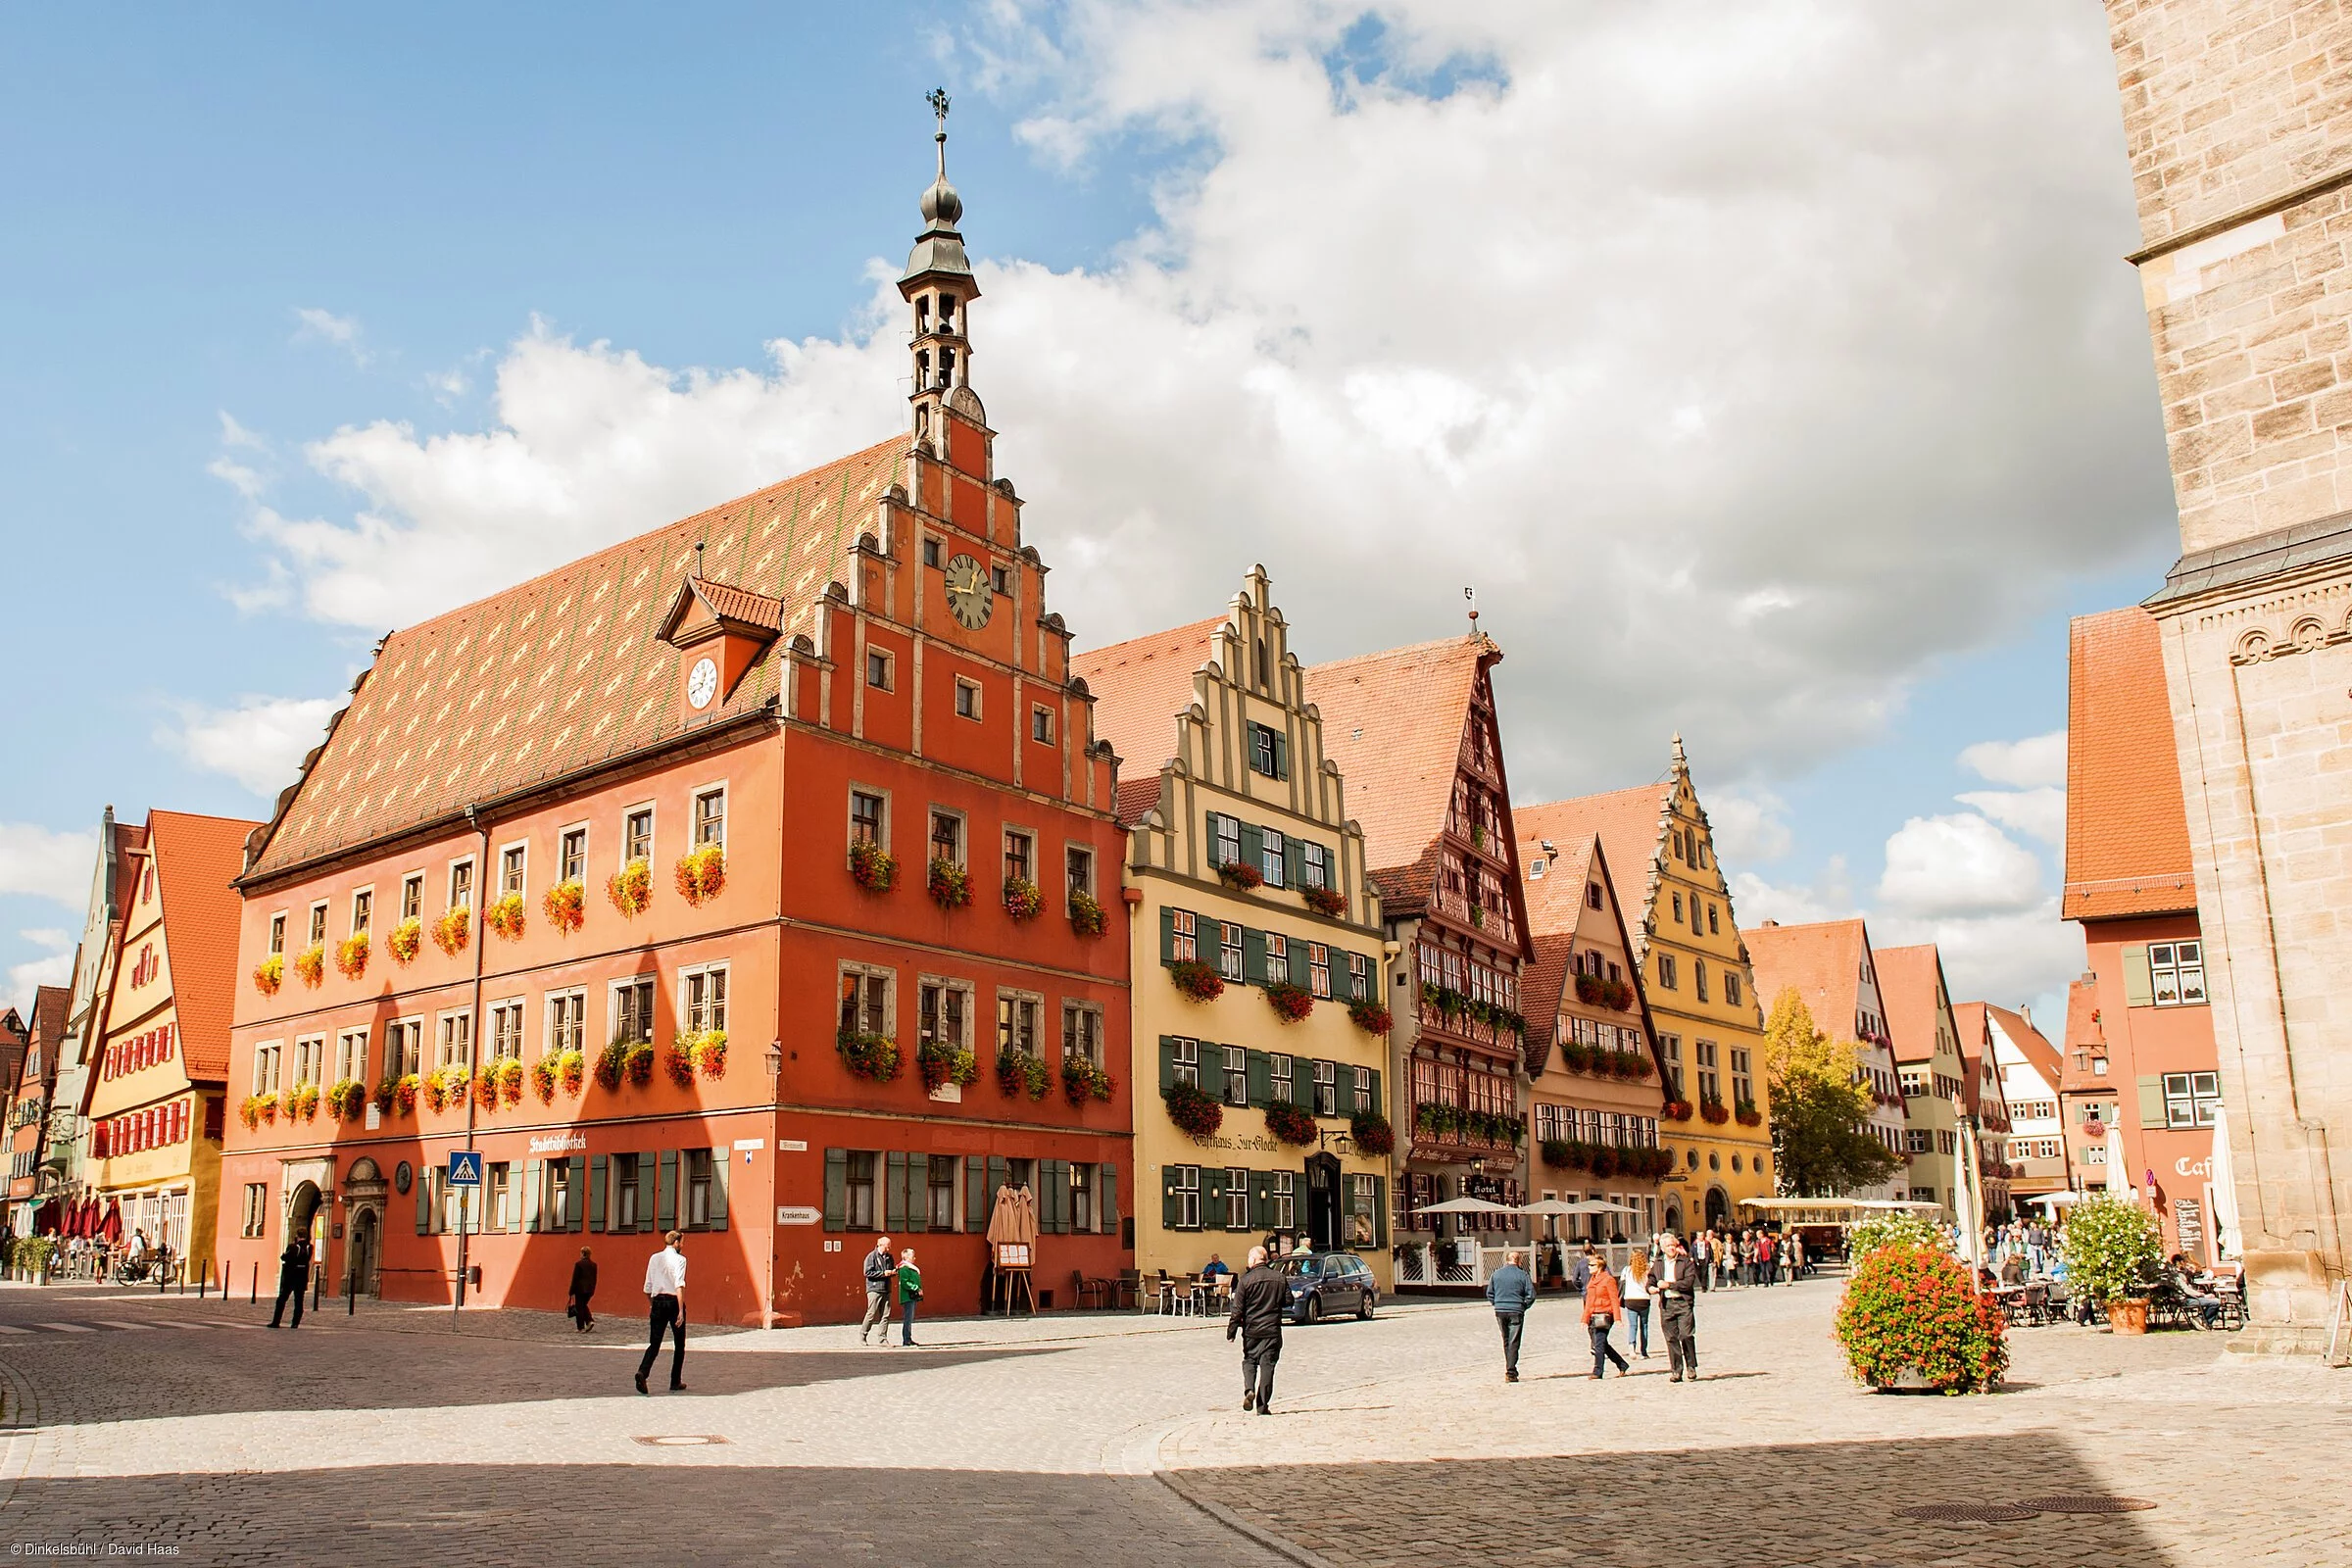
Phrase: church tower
(939,286)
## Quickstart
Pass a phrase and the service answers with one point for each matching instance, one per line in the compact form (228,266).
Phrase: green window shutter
(1294,862)
(1261,1200)
(1302,1082)
(1302,970)
(1110,1200)
(1345,1100)
(534,1193)
(597,1168)
(718,1187)
(2139,985)
(1254,847)
(894,1193)
(1057,1194)
(1379,1211)
(580,1191)
(1260,1070)
(1374,1107)
(837,1188)
(1167,1197)
(1212,1198)
(998,1173)
(2151,1099)
(1167,934)
(1282,756)
(1253,955)
(425,1203)
(977,1198)
(666,1196)
(1167,1062)
(648,1216)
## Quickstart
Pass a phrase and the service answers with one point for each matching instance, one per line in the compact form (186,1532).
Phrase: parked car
(1328,1284)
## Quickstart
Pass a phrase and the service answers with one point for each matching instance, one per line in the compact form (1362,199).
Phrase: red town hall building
(739,878)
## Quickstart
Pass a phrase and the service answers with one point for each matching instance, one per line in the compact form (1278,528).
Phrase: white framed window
(1229,949)
(2191,1099)
(1082,1031)
(1360,976)
(363,907)
(1270,860)
(1017,1017)
(505,1030)
(1236,1074)
(870,817)
(2177,970)
(351,1055)
(310,1058)
(702,997)
(1327,1088)
(943,1012)
(513,866)
(1279,1063)
(1184,1183)
(1315,864)
(566,1022)
(318,923)
(277,932)
(1363,1087)
(868,1001)
(1278,957)
(967,698)
(877,669)
(571,854)
(637,834)
(1078,868)
(461,883)
(1021,854)
(454,1039)
(1041,725)
(946,835)
(266,1057)
(1318,969)
(710,816)
(403,1047)
(1285,1200)
(1237,1199)
(631,1009)
(1225,833)
(411,896)
(1185,1060)
(1183,936)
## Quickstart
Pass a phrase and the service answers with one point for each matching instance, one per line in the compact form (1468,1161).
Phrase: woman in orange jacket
(1602,1308)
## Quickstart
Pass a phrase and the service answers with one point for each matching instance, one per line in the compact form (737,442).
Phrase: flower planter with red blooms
(509,1081)
(572,1073)
(1325,900)
(679,1065)
(710,1053)
(702,874)
(1086,913)
(1291,1124)
(1083,1079)
(1912,1312)
(1617,993)
(485,1088)
(1715,1111)
(1240,876)
(1588,990)
(454,930)
(543,1080)
(404,940)
(1020,1073)
(942,1064)
(1677,1110)
(1022,900)
(1578,1055)
(612,1065)
(1604,1162)
(565,906)
(637,1065)
(1196,980)
(1290,1003)
(303,1102)
(1371,1017)
(1194,1109)
(631,889)
(351,955)
(1748,1115)
(310,964)
(346,1099)
(873,868)
(270,974)
(1372,1134)
(506,918)
(949,884)
(874,1057)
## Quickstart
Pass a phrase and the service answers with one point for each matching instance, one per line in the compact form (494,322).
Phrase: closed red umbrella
(111,1227)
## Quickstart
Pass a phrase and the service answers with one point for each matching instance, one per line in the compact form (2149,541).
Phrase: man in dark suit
(1261,1300)
(293,1279)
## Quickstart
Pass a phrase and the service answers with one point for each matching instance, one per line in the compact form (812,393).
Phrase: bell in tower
(939,284)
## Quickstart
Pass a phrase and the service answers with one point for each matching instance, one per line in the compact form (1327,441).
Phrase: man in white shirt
(665,1291)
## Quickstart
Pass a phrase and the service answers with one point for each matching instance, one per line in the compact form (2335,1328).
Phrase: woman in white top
(1632,1283)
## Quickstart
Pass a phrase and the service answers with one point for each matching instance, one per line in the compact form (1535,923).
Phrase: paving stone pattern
(391,1438)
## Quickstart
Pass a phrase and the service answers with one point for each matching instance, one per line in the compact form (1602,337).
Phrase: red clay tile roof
(2030,1041)
(563,672)
(1393,721)
(1821,962)
(1555,902)
(1135,799)
(1627,823)
(50,1006)
(2127,830)
(1907,980)
(1139,687)
(196,863)
(1976,1040)
(2083,1031)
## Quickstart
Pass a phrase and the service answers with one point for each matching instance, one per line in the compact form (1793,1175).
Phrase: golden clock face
(970,596)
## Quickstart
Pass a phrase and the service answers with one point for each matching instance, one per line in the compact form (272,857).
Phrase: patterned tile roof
(1630,826)
(1821,962)
(1907,978)
(196,864)
(1393,721)
(2127,829)
(563,672)
(1139,687)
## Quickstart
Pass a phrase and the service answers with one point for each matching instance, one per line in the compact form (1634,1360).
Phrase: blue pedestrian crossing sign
(466,1167)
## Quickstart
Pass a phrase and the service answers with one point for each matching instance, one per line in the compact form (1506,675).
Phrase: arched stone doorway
(1719,1207)
(302,1212)
(363,1189)
(1674,1218)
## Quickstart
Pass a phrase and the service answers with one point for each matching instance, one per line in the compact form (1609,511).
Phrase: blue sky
(1776,379)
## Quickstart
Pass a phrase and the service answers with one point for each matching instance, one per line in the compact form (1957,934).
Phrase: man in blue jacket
(1510,1291)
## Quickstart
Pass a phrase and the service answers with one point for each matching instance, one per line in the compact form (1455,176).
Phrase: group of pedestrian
(884,1275)
(1732,1259)
(1669,1283)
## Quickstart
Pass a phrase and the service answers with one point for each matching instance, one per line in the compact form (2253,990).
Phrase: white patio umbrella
(2227,1242)
(1967,1209)
(2119,1175)
(1465,1205)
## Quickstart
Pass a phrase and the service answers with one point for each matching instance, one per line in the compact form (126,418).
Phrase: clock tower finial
(939,284)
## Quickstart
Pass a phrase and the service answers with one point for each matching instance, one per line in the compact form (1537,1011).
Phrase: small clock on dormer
(971,597)
(702,683)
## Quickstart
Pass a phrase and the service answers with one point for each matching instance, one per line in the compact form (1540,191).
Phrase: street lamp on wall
(775,1060)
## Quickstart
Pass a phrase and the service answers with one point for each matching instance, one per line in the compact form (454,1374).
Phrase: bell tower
(939,284)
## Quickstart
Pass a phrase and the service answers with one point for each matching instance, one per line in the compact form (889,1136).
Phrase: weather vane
(938,104)
(1471,594)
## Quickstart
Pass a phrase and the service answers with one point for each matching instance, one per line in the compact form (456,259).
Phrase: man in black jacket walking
(1261,1298)
(1679,1274)
(293,1279)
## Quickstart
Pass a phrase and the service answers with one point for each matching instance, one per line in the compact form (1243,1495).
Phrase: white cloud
(2040,760)
(324,327)
(2023,956)
(55,968)
(47,864)
(2040,811)
(260,742)
(1749,823)
(1957,865)
(1828,897)
(1574,332)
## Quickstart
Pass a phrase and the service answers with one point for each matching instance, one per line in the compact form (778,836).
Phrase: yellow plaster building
(1245,877)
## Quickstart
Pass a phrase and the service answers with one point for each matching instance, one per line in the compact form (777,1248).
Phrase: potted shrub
(1022,900)
(1370,1016)
(949,884)
(310,964)
(702,874)
(942,1064)
(270,974)
(454,930)
(505,918)
(873,1057)
(873,868)
(404,940)
(1083,1078)
(351,955)
(1240,876)
(1194,1109)
(1325,900)
(1196,980)
(1086,913)
(1290,1003)
(631,889)
(1289,1123)
(565,906)
(2112,1249)
(1372,1134)
(1911,1313)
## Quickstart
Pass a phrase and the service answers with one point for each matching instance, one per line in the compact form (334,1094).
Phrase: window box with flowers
(446,1088)
(871,866)
(346,1099)
(612,1063)
(257,1109)
(572,1073)
(1194,1109)
(942,1064)
(637,1065)
(310,964)
(565,906)
(1588,990)
(702,874)
(1714,1111)
(708,1048)
(1617,993)
(1371,1133)
(303,1102)
(1747,1114)
(1291,1124)
(1565,1154)
(351,955)
(1325,900)
(1576,1056)
(404,940)
(1240,876)
(543,1080)
(1086,913)
(678,1062)
(506,918)
(1022,900)
(1633,1064)
(1370,1016)
(485,1086)
(270,974)
(1020,1073)
(1083,1078)
(1196,980)
(396,1096)
(509,1081)
(949,884)
(1290,1003)
(1448,1002)
(631,889)
(873,1057)
(1436,1119)
(1676,1110)
(455,929)
(1605,1162)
